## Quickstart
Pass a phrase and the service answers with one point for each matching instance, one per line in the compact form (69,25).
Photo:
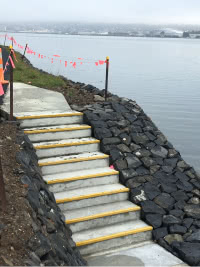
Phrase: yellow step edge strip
(123,190)
(101,215)
(67,144)
(108,237)
(72,160)
(82,177)
(57,130)
(49,116)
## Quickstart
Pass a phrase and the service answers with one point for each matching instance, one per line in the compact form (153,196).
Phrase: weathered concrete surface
(147,254)
(28,98)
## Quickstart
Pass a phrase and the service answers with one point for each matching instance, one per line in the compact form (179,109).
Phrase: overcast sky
(120,11)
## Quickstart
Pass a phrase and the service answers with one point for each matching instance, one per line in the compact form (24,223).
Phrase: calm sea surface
(162,75)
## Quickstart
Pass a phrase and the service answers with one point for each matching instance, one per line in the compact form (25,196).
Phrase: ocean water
(162,75)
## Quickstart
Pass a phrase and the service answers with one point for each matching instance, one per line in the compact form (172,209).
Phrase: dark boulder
(189,252)
(133,162)
(192,211)
(151,191)
(170,219)
(154,219)
(177,229)
(159,151)
(159,233)
(165,201)
(150,207)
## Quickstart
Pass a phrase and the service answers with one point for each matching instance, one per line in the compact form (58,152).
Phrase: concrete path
(96,206)
(31,100)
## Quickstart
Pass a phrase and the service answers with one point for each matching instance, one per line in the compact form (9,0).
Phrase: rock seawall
(51,244)
(161,182)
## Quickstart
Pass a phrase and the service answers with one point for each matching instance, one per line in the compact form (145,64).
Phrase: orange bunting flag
(96,63)
(101,62)
(13,52)
(74,65)
(12,63)
(1,89)
(65,64)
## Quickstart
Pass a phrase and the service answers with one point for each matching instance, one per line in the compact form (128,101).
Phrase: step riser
(129,216)
(77,204)
(51,121)
(111,179)
(114,243)
(53,136)
(68,150)
(75,166)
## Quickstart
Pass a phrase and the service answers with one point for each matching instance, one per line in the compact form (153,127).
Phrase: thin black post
(24,51)
(5,40)
(11,88)
(106,85)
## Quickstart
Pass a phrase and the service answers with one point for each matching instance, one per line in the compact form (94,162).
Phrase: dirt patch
(15,223)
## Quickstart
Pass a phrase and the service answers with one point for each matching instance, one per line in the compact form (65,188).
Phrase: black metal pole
(11,89)
(5,40)
(24,51)
(106,85)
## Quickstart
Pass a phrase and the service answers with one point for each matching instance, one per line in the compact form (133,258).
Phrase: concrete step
(50,119)
(58,132)
(66,147)
(72,163)
(91,196)
(101,215)
(112,236)
(85,178)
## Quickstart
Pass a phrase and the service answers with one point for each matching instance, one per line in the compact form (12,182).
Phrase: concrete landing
(32,99)
(147,254)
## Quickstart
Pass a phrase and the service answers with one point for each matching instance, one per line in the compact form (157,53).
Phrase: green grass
(27,74)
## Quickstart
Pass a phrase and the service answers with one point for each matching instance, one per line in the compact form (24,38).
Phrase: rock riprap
(166,187)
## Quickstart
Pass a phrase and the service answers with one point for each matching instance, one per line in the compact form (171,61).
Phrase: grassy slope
(25,73)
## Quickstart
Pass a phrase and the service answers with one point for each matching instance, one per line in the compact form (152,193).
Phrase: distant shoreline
(106,35)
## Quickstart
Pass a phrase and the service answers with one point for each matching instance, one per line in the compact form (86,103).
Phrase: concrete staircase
(94,203)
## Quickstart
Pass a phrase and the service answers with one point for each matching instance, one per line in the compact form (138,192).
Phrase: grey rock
(127,174)
(189,252)
(151,191)
(159,151)
(160,233)
(139,138)
(122,123)
(131,183)
(168,187)
(115,131)
(171,162)
(154,169)
(184,185)
(98,124)
(181,176)
(147,161)
(195,183)
(134,147)
(154,219)
(133,162)
(194,200)
(176,213)
(167,169)
(177,229)
(170,219)
(126,139)
(120,164)
(130,117)
(115,154)
(192,210)
(180,195)
(142,171)
(180,204)
(123,148)
(144,152)
(150,207)
(172,153)
(187,222)
(190,174)
(165,201)
(138,196)
(150,136)
(183,164)
(101,133)
(196,192)
(173,237)
(111,141)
